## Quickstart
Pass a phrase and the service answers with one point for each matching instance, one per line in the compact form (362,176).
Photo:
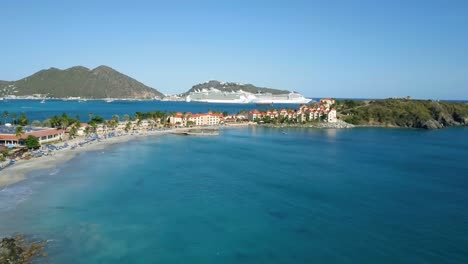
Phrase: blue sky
(331,48)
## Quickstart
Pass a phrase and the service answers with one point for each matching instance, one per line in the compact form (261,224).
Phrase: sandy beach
(21,168)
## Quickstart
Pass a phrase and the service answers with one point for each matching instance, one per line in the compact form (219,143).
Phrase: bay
(254,195)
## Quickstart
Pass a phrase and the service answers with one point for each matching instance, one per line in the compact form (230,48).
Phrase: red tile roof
(41,133)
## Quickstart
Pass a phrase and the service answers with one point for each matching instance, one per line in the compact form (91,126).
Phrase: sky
(344,49)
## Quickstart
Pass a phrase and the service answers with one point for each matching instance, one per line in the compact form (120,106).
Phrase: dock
(198,132)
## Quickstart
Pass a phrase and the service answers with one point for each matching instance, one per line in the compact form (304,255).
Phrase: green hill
(101,82)
(231,86)
(403,113)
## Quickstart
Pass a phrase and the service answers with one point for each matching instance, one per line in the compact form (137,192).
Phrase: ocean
(35,110)
(254,195)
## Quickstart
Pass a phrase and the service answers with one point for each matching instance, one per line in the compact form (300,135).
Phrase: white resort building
(208,119)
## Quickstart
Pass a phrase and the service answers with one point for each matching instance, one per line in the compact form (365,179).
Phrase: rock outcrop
(16,250)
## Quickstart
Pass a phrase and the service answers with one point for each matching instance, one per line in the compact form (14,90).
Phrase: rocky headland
(404,113)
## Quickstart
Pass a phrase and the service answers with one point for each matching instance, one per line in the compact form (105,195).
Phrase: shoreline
(19,171)
(319,125)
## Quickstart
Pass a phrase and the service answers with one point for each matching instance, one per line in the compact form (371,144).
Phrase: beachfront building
(81,130)
(178,119)
(332,116)
(8,135)
(320,111)
(254,114)
(235,118)
(208,119)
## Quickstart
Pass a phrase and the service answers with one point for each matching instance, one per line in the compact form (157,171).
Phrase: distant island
(103,82)
(78,82)
(233,87)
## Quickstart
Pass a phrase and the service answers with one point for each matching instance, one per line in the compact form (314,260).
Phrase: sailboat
(43,101)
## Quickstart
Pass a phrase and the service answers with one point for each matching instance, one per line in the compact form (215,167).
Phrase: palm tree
(19,132)
(87,131)
(73,131)
(36,123)
(64,123)
(94,128)
(5,116)
(14,115)
(128,126)
(90,116)
(23,120)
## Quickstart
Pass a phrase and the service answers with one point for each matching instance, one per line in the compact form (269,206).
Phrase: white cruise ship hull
(241,97)
(274,101)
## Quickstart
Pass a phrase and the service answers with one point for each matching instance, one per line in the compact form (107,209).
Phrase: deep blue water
(254,195)
(34,110)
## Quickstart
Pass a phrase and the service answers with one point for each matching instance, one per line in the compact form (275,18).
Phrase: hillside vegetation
(101,82)
(233,87)
(403,113)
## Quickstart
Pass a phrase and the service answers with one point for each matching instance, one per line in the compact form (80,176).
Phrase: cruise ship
(291,98)
(241,97)
(216,96)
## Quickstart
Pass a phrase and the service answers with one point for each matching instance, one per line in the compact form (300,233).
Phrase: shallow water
(254,195)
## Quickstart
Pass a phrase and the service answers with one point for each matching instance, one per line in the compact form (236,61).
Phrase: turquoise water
(254,195)
(34,110)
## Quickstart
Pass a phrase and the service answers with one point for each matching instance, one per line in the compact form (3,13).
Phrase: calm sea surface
(34,110)
(254,195)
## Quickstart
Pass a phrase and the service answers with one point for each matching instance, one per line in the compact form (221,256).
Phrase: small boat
(43,101)
(109,100)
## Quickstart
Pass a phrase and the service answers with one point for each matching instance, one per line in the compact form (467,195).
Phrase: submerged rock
(16,250)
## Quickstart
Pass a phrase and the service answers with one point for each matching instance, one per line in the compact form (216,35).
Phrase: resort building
(81,129)
(178,119)
(8,135)
(254,114)
(332,116)
(208,119)
(328,102)
(319,111)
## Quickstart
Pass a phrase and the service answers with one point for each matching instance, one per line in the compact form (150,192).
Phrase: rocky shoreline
(340,124)
(19,250)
